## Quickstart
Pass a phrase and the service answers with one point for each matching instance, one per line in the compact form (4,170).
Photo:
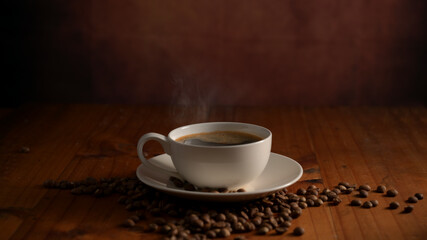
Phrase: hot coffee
(218,138)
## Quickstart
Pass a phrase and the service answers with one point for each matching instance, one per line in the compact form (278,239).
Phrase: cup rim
(222,147)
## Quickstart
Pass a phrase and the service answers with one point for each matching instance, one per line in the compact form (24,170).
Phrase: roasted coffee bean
(298,231)
(311,197)
(374,203)
(224,233)
(311,187)
(345,184)
(408,209)
(420,196)
(313,192)
(241,190)
(367,204)
(257,221)
(331,195)
(356,202)
(281,230)
(336,190)
(301,191)
(318,202)
(381,189)
(392,193)
(323,197)
(176,181)
(302,205)
(412,199)
(286,224)
(348,190)
(241,237)
(336,201)
(326,191)
(310,202)
(263,230)
(394,205)
(342,188)
(152,227)
(129,223)
(365,187)
(211,234)
(363,193)
(221,217)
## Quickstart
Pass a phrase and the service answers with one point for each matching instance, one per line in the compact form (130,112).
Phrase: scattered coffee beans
(298,231)
(182,219)
(408,209)
(381,189)
(412,199)
(356,202)
(394,205)
(392,193)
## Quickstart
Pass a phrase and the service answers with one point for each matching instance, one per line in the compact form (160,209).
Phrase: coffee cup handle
(165,145)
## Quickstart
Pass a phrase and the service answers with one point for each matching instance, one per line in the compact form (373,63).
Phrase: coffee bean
(298,231)
(336,190)
(326,191)
(345,184)
(241,237)
(301,191)
(281,230)
(348,190)
(381,189)
(331,195)
(367,204)
(310,202)
(374,203)
(221,217)
(313,192)
(224,233)
(412,199)
(211,234)
(263,230)
(336,201)
(323,198)
(420,196)
(342,188)
(365,187)
(176,181)
(318,202)
(356,202)
(392,193)
(394,205)
(241,190)
(408,209)
(363,193)
(129,223)
(286,224)
(302,205)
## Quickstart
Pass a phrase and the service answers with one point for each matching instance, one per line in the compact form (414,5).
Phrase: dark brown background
(215,52)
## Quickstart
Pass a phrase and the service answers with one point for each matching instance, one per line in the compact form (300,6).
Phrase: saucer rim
(244,195)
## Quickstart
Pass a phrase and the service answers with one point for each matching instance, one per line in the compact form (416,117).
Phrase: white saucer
(280,172)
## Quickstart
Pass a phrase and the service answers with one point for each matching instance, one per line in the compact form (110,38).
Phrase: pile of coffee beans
(175,218)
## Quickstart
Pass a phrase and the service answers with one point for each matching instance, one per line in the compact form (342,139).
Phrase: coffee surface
(218,138)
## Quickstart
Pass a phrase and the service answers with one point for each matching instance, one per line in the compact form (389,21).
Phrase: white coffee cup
(213,166)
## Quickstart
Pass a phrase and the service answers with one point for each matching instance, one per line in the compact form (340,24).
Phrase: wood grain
(373,145)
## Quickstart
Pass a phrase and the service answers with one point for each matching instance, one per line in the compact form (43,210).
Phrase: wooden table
(372,145)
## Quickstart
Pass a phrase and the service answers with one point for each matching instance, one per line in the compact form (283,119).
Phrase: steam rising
(191,104)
